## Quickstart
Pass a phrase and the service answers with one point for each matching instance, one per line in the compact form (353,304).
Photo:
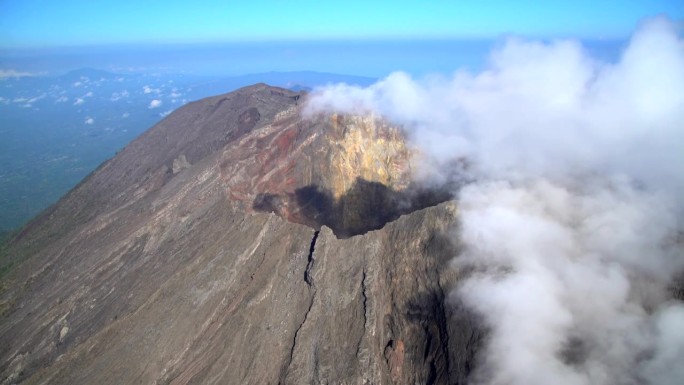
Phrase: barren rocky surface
(238,242)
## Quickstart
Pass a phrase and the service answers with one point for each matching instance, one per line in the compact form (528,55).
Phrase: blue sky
(50,23)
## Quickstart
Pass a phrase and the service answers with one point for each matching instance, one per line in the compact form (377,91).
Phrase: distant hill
(90,73)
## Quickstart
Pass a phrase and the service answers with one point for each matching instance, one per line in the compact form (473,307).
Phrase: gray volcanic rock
(236,242)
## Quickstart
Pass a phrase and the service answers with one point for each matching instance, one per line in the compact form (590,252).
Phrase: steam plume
(573,220)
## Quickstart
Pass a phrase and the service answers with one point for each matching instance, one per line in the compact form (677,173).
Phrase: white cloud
(27,100)
(88,95)
(125,115)
(155,103)
(89,120)
(62,99)
(149,90)
(572,215)
(165,113)
(37,98)
(119,95)
(77,84)
(78,101)
(6,74)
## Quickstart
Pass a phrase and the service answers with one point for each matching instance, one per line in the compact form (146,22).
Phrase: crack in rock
(310,260)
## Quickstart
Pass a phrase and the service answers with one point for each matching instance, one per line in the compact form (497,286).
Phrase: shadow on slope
(366,206)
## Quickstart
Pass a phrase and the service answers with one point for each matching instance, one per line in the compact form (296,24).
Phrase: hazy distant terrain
(56,130)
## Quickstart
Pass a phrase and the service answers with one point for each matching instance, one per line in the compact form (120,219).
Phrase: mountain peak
(164,266)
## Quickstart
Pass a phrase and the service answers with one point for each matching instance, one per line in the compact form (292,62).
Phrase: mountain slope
(239,242)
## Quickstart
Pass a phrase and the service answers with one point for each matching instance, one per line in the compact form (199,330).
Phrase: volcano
(241,241)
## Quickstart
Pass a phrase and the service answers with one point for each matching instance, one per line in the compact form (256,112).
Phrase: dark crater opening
(365,207)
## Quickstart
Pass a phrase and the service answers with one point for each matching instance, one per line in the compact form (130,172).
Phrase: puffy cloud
(155,103)
(89,120)
(572,217)
(566,279)
(78,101)
(62,99)
(119,95)
(149,90)
(551,99)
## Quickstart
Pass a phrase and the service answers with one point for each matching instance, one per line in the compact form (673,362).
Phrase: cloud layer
(10,73)
(573,218)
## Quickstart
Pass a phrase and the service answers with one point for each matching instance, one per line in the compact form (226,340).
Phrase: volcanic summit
(239,241)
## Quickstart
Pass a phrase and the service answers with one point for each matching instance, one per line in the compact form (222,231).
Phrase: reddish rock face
(395,359)
(350,173)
